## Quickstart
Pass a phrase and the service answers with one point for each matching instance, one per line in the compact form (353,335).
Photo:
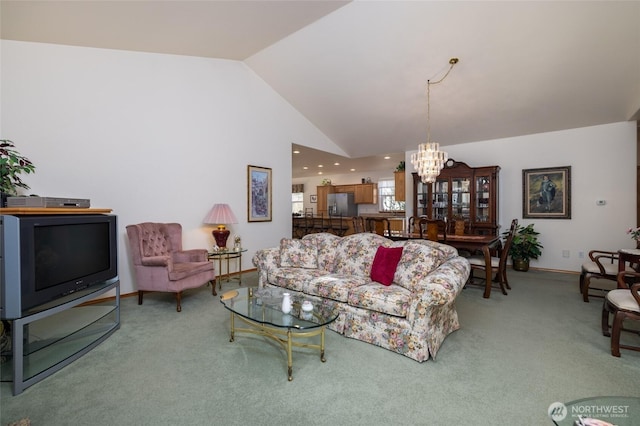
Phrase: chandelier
(429,160)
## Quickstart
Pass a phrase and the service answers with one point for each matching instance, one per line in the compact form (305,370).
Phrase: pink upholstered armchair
(160,264)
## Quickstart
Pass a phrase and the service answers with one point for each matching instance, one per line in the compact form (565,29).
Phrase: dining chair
(431,229)
(358,224)
(602,265)
(498,262)
(378,225)
(624,304)
(414,224)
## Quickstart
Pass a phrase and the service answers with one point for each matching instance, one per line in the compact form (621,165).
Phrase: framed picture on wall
(313,198)
(259,194)
(546,193)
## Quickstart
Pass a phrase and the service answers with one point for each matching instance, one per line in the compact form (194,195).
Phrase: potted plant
(12,164)
(524,246)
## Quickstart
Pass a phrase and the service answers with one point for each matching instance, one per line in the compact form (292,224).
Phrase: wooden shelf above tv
(51,210)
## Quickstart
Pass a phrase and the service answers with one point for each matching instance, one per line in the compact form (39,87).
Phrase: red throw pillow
(385,263)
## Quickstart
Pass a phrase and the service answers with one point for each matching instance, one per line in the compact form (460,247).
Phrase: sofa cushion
(333,286)
(298,253)
(417,261)
(355,253)
(392,300)
(384,264)
(294,278)
(326,244)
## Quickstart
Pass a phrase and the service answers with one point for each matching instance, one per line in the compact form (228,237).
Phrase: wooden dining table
(471,243)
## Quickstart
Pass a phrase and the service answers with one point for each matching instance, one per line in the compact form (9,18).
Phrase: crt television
(47,257)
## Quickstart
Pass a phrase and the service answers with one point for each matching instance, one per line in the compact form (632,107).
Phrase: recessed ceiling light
(296,152)
(320,165)
(336,164)
(319,173)
(353,170)
(305,168)
(386,157)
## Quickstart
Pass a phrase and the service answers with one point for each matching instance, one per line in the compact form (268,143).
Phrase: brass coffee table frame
(282,334)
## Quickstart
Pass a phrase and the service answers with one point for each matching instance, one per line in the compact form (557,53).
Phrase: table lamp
(220,215)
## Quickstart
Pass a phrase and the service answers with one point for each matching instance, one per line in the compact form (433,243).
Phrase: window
(386,191)
(297,203)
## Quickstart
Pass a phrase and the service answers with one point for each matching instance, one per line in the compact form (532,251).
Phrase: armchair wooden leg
(140,297)
(584,288)
(213,287)
(178,299)
(616,328)
(605,320)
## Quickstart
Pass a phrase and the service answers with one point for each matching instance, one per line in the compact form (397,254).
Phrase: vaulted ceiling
(358,70)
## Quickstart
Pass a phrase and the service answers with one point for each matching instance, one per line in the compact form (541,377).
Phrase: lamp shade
(221,215)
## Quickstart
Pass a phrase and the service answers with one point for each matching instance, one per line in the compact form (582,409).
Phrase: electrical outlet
(566,253)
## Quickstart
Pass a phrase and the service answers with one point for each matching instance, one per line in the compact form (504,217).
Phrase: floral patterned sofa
(412,315)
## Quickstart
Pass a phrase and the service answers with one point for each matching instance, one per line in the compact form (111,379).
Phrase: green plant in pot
(524,246)
(12,164)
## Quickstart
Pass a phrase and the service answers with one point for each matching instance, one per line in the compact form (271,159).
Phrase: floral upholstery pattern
(298,253)
(412,316)
(355,253)
(326,243)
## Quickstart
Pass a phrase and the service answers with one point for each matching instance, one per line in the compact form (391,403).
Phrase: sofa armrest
(440,287)
(193,255)
(266,260)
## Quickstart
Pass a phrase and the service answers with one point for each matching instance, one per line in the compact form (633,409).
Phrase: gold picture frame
(546,193)
(259,193)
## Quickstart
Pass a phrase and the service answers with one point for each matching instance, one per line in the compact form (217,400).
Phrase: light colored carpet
(512,358)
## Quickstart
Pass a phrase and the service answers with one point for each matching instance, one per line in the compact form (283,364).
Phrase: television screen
(69,252)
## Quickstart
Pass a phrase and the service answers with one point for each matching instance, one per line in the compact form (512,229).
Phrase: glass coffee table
(260,310)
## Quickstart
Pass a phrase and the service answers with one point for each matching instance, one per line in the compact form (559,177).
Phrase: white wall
(163,137)
(153,137)
(603,166)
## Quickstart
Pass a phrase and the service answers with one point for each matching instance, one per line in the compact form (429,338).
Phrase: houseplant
(524,246)
(12,164)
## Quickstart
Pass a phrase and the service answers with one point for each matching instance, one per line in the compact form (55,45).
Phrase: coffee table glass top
(264,306)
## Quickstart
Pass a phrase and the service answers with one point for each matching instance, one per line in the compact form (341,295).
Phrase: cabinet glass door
(440,202)
(483,199)
(421,199)
(461,198)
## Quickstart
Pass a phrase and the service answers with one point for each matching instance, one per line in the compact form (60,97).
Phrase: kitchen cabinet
(322,192)
(366,193)
(400,191)
(345,188)
(460,192)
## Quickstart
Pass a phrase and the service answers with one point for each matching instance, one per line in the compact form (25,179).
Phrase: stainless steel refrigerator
(342,205)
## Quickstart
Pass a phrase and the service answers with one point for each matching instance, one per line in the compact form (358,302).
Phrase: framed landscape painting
(546,193)
(259,194)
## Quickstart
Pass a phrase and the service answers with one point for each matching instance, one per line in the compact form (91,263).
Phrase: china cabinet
(463,193)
